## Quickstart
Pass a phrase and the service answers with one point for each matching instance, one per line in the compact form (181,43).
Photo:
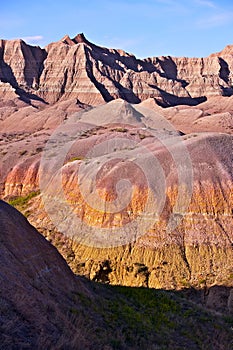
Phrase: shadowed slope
(36,286)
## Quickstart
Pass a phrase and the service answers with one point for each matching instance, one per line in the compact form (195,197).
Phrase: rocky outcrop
(21,65)
(76,68)
(23,179)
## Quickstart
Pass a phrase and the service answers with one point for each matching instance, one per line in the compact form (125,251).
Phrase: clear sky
(145,28)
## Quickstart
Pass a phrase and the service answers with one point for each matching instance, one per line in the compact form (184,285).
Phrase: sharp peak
(78,39)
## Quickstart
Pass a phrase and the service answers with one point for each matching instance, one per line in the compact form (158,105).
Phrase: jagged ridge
(77,68)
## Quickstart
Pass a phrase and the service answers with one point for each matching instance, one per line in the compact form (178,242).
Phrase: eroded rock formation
(41,89)
(94,75)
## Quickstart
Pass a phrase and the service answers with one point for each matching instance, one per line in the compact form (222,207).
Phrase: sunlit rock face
(77,68)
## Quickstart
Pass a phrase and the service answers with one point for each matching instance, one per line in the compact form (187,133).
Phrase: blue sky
(145,28)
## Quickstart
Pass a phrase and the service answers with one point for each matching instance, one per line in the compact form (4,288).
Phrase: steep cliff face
(21,64)
(76,68)
(66,74)
(208,76)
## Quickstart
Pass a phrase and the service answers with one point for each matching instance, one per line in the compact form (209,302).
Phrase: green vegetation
(21,203)
(75,158)
(141,318)
(140,310)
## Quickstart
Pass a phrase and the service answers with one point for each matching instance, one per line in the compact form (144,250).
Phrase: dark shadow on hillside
(170,100)
(7,76)
(169,319)
(29,97)
(216,299)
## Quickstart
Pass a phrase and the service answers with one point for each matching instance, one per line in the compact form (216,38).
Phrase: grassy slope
(140,318)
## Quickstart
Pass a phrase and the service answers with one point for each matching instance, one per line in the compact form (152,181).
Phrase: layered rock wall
(79,69)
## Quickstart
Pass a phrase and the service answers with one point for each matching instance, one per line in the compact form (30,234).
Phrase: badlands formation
(177,109)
